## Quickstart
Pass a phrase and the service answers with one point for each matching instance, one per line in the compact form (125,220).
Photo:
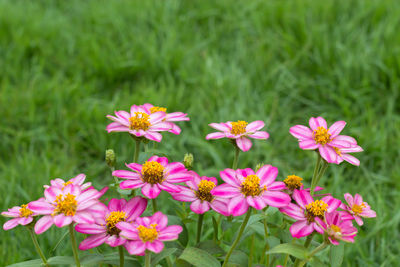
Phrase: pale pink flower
(78,180)
(139,124)
(306,210)
(239,131)
(169,117)
(357,209)
(148,233)
(104,229)
(337,228)
(154,175)
(326,140)
(63,206)
(246,188)
(198,192)
(21,215)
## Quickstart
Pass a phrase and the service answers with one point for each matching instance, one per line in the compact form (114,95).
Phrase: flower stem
(306,245)
(154,204)
(199,227)
(73,243)
(321,172)
(316,170)
(251,251)
(137,150)
(236,158)
(37,246)
(121,256)
(315,251)
(234,244)
(147,259)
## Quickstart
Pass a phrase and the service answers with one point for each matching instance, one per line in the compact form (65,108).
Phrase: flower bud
(188,161)
(259,165)
(110,157)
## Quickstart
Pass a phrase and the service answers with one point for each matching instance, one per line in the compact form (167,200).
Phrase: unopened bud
(259,165)
(110,157)
(188,161)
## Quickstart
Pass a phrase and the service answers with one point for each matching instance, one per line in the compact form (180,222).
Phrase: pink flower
(154,175)
(326,140)
(63,206)
(336,228)
(77,180)
(169,117)
(104,229)
(239,131)
(198,192)
(148,233)
(139,123)
(306,210)
(21,215)
(357,208)
(245,188)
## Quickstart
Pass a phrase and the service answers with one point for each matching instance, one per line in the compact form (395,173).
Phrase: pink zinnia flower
(139,123)
(104,229)
(21,215)
(246,188)
(198,192)
(326,140)
(239,132)
(77,180)
(148,233)
(154,175)
(65,206)
(169,117)
(357,208)
(306,210)
(336,228)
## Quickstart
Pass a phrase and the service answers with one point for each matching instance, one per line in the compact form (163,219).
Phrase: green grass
(66,65)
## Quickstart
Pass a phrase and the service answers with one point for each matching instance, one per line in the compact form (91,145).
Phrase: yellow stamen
(205,187)
(148,234)
(335,228)
(153,172)
(357,209)
(65,204)
(155,109)
(24,211)
(66,183)
(321,136)
(337,150)
(293,182)
(113,218)
(316,209)
(238,127)
(251,186)
(140,121)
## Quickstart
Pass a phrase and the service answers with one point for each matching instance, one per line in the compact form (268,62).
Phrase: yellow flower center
(251,186)
(293,182)
(155,109)
(113,218)
(321,136)
(140,121)
(357,209)
(316,209)
(24,211)
(335,228)
(65,204)
(204,190)
(337,150)
(152,172)
(148,234)
(238,127)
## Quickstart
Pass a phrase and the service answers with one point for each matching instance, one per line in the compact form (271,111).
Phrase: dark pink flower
(21,215)
(337,228)
(357,208)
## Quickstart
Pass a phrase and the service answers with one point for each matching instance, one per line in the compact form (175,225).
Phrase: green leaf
(113,258)
(238,258)
(210,247)
(199,258)
(61,260)
(31,263)
(215,226)
(91,259)
(60,240)
(160,256)
(336,255)
(183,236)
(295,250)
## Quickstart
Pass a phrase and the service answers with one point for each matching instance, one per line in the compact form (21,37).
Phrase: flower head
(337,228)
(154,175)
(104,230)
(239,131)
(294,182)
(139,123)
(199,193)
(21,215)
(306,210)
(247,188)
(148,233)
(332,146)
(356,209)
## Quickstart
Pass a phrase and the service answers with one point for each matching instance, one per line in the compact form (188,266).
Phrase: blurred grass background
(64,65)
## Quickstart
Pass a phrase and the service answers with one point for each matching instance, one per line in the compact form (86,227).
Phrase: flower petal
(336,128)
(301,228)
(351,159)
(243,143)
(225,191)
(61,220)
(135,247)
(267,175)
(328,154)
(199,206)
(317,122)
(259,135)
(151,191)
(294,211)
(155,246)
(302,197)
(90,229)
(238,206)
(301,132)
(276,198)
(308,144)
(41,207)
(131,184)
(135,207)
(229,176)
(153,136)
(93,241)
(223,127)
(254,126)
(43,224)
(10,224)
(216,135)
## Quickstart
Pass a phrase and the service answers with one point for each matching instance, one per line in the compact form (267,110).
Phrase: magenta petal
(276,198)
(41,207)
(170,233)
(135,247)
(160,219)
(225,191)
(301,132)
(277,186)
(199,206)
(135,167)
(340,144)
(135,207)
(168,187)
(223,127)
(43,224)
(267,175)
(259,135)
(333,203)
(302,197)
(308,144)
(93,241)
(25,220)
(238,206)
(11,224)
(51,193)
(220,206)
(216,135)
(301,228)
(84,217)
(254,126)
(328,154)
(229,176)
(243,143)
(294,211)
(151,191)
(126,174)
(349,199)
(153,136)
(115,241)
(116,204)
(155,246)
(336,128)
(179,177)
(131,184)
(90,229)
(61,220)
(116,127)
(186,195)
(256,202)
(175,167)
(351,159)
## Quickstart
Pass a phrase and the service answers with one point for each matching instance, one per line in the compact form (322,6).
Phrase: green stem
(321,172)
(199,227)
(312,253)
(137,150)
(236,158)
(251,251)
(266,247)
(242,227)
(37,246)
(73,243)
(121,256)
(147,259)
(316,170)
(306,245)
(154,204)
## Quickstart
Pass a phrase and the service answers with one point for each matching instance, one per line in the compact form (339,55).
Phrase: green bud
(259,165)
(188,161)
(110,157)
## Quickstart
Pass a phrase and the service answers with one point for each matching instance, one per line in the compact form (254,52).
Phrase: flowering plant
(129,225)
